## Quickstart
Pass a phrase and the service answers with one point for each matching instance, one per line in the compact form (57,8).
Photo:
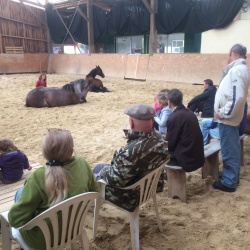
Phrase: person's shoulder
(79,161)
(21,153)
(37,174)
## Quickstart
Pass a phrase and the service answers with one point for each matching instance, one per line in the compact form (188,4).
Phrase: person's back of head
(57,149)
(162,98)
(175,96)
(141,117)
(237,51)
(209,82)
(164,91)
(42,77)
(7,145)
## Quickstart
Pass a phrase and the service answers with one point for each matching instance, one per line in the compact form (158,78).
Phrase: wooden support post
(90,27)
(153,32)
(1,44)
(49,42)
(24,35)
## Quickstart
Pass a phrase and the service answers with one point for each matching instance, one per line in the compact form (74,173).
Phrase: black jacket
(207,98)
(185,140)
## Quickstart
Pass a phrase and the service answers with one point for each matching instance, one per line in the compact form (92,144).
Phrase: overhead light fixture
(72,7)
(17,1)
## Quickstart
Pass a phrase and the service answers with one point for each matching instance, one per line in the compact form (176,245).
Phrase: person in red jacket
(41,82)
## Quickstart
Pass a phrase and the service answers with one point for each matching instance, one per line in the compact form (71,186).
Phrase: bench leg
(211,167)
(177,184)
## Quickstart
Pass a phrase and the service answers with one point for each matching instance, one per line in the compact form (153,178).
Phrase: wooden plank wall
(22,26)
(23,63)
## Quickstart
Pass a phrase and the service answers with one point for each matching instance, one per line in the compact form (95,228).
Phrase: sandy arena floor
(210,220)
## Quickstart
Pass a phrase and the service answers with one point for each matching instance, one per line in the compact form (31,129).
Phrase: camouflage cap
(140,112)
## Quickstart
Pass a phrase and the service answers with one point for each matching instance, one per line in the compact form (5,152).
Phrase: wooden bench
(14,50)
(8,191)
(211,165)
(177,176)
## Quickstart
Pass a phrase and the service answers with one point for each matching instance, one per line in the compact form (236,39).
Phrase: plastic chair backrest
(62,223)
(148,184)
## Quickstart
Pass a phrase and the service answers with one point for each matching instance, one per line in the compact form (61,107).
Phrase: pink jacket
(157,106)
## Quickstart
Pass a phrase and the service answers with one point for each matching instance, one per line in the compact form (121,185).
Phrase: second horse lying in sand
(96,84)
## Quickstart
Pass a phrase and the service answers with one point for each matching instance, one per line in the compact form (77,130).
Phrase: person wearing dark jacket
(204,102)
(185,140)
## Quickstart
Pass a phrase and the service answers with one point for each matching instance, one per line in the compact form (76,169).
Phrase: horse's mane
(92,73)
(71,86)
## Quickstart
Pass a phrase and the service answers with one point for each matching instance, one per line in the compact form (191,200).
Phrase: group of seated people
(65,175)
(180,142)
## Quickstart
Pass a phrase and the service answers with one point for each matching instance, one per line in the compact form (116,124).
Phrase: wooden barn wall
(22,26)
(23,63)
(190,68)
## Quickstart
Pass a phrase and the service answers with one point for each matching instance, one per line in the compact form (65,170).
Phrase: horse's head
(99,71)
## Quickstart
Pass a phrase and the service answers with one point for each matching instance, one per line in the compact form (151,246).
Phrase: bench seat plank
(8,191)
(212,148)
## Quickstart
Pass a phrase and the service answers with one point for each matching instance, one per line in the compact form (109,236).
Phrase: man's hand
(30,168)
(217,116)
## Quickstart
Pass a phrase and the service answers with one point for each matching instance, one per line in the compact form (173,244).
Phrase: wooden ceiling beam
(79,10)
(150,10)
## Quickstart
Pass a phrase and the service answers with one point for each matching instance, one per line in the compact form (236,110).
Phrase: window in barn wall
(57,49)
(70,49)
(173,43)
(130,44)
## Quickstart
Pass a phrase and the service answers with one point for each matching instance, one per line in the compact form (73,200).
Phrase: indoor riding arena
(66,40)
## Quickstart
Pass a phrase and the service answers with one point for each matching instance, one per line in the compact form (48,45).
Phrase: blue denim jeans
(207,132)
(18,193)
(97,169)
(230,152)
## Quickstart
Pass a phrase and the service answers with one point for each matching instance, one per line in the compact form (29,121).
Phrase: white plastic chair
(73,212)
(148,186)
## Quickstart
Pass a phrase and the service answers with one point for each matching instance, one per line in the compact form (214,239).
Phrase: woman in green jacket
(62,177)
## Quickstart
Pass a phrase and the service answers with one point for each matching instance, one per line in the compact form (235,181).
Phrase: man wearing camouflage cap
(145,150)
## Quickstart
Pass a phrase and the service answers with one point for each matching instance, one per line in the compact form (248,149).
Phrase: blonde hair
(7,146)
(162,99)
(57,147)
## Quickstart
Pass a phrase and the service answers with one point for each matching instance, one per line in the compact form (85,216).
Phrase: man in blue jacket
(204,102)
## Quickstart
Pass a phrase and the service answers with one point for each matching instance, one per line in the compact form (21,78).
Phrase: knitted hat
(140,112)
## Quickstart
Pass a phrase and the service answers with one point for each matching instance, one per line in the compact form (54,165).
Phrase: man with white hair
(229,105)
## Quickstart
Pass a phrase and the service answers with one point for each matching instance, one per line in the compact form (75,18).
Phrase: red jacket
(40,83)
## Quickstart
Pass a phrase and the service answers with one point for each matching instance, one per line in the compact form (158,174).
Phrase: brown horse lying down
(71,93)
(96,84)
(247,129)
